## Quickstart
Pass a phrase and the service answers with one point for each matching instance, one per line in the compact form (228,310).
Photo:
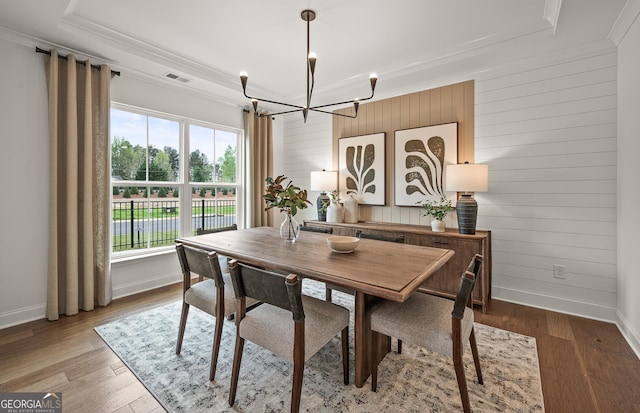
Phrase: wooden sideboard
(446,281)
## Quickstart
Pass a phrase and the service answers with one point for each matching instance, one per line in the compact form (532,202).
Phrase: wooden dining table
(375,270)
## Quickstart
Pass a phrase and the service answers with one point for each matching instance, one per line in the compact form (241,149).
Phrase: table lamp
(323,181)
(467,178)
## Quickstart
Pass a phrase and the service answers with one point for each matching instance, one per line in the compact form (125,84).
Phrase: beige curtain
(79,101)
(260,165)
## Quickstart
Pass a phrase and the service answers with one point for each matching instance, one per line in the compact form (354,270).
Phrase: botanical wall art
(421,155)
(361,168)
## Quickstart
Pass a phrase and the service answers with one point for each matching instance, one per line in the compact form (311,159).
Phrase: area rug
(414,381)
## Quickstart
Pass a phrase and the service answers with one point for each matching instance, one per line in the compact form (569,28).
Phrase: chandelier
(308,16)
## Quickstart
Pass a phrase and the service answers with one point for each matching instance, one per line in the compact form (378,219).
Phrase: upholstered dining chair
(292,325)
(428,321)
(360,234)
(212,294)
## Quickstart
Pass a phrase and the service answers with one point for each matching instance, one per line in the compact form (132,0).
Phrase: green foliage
(162,192)
(227,169)
(193,190)
(203,192)
(126,193)
(146,192)
(225,191)
(133,190)
(288,198)
(116,190)
(437,209)
(175,193)
(200,170)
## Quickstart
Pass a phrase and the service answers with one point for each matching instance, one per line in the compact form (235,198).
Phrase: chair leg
(217,336)
(235,373)
(476,357)
(375,338)
(399,346)
(345,354)
(296,388)
(183,322)
(462,380)
(328,294)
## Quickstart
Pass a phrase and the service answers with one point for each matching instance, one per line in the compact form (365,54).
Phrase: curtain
(79,101)
(259,166)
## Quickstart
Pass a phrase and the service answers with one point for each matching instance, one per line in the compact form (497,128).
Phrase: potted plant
(289,199)
(438,211)
(334,210)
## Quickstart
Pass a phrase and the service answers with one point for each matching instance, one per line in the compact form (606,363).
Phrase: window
(158,194)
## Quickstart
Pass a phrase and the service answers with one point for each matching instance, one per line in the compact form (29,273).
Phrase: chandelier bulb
(243,78)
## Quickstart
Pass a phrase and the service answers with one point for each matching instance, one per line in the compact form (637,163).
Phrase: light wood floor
(586,365)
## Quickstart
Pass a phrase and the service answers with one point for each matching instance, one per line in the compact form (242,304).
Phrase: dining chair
(314,229)
(208,294)
(360,234)
(201,231)
(428,321)
(292,325)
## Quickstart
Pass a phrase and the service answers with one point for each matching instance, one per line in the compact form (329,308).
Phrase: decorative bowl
(342,244)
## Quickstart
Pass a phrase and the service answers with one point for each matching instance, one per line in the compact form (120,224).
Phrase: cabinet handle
(440,241)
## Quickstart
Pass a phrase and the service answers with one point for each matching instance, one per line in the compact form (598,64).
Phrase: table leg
(362,337)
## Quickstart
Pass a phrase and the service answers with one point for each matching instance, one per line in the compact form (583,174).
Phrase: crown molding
(150,51)
(627,17)
(552,12)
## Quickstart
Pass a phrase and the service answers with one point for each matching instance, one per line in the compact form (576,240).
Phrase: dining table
(375,270)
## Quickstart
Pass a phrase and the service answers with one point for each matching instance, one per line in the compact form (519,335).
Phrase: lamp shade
(323,180)
(467,177)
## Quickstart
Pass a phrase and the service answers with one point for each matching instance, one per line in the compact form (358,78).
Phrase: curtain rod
(47,52)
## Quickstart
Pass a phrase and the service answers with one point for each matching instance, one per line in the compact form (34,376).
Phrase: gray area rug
(415,381)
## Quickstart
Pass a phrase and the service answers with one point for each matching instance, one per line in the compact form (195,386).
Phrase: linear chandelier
(308,16)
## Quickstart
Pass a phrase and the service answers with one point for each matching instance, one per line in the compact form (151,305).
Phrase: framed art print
(361,168)
(421,155)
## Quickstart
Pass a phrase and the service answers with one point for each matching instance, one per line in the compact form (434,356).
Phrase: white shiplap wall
(548,134)
(306,148)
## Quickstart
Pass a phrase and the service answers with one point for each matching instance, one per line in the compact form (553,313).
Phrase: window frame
(183,183)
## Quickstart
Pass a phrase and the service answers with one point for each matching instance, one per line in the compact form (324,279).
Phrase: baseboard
(576,308)
(560,305)
(23,315)
(629,334)
(136,287)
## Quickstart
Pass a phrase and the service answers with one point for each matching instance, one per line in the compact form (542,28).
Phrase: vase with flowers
(334,210)
(289,199)
(438,211)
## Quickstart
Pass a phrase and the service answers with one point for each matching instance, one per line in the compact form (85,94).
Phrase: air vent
(179,78)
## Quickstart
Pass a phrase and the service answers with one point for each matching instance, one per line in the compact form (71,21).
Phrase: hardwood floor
(586,365)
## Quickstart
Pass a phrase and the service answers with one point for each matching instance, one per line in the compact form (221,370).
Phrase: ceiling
(410,44)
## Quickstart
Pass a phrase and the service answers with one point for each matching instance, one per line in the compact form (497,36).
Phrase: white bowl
(342,244)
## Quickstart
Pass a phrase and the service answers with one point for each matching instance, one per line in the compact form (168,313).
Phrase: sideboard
(446,281)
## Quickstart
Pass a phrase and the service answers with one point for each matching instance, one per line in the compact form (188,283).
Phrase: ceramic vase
(289,229)
(351,210)
(334,212)
(437,225)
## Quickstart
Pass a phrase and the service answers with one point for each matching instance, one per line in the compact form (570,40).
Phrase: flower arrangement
(289,198)
(437,209)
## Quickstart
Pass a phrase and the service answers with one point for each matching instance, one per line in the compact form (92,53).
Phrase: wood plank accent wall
(452,103)
(548,134)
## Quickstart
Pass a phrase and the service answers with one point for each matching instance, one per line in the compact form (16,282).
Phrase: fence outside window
(138,224)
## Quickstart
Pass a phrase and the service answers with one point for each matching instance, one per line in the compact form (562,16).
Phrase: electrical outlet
(558,271)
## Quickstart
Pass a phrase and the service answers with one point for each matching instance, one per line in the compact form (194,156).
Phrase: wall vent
(179,78)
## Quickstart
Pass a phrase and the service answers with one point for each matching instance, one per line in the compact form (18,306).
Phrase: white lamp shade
(467,177)
(323,180)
